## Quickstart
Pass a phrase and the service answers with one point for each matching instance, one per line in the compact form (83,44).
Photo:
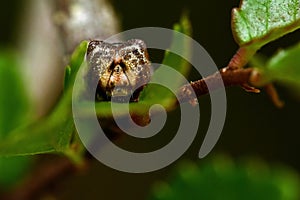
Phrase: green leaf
(45,136)
(258,22)
(53,133)
(13,100)
(76,60)
(221,178)
(14,107)
(67,80)
(285,66)
(12,169)
(159,94)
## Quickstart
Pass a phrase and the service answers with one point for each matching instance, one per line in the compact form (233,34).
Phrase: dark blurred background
(254,126)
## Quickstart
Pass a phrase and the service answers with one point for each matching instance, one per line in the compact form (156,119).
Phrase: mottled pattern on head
(118,68)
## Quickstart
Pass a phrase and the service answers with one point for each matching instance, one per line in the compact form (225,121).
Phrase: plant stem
(242,56)
(46,174)
(227,75)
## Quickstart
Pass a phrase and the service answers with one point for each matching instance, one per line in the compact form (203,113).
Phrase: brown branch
(44,176)
(242,56)
(228,76)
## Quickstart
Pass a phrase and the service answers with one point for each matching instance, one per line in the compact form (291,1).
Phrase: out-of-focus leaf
(53,133)
(40,137)
(221,178)
(285,66)
(12,170)
(159,94)
(258,22)
(76,61)
(13,100)
(14,107)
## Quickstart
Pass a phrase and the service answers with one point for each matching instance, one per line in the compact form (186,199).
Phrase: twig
(41,178)
(241,58)
(228,76)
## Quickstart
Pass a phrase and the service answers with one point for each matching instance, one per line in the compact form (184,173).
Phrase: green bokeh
(14,107)
(221,178)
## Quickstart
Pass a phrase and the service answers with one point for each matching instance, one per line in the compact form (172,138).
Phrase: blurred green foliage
(50,134)
(221,178)
(13,99)
(285,66)
(14,107)
(159,94)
